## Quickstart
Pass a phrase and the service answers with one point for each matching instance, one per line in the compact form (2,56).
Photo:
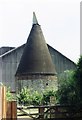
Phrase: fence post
(0,102)
(41,112)
(8,113)
(8,109)
(14,109)
(3,102)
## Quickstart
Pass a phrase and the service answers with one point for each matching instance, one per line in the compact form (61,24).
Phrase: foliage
(24,96)
(36,98)
(9,96)
(67,91)
(78,78)
(28,97)
(46,96)
(70,86)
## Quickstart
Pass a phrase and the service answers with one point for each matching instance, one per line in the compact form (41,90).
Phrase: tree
(78,78)
(67,90)
(70,86)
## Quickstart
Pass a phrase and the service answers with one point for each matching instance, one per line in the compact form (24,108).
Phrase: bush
(24,96)
(28,97)
(46,96)
(36,98)
(9,96)
(67,91)
(78,79)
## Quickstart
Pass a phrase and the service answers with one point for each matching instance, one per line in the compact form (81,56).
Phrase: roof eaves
(10,51)
(62,54)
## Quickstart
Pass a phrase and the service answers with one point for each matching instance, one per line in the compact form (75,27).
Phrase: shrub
(28,97)
(36,98)
(46,96)
(67,90)
(9,96)
(24,96)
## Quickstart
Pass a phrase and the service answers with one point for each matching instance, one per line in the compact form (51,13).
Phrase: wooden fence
(8,109)
(52,112)
(3,102)
(0,103)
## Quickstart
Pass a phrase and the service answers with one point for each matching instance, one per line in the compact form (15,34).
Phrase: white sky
(59,20)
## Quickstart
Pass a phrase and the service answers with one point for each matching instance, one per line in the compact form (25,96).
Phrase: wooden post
(0,102)
(8,113)
(14,109)
(41,112)
(3,102)
(8,109)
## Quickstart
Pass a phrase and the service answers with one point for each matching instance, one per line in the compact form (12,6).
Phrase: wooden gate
(57,112)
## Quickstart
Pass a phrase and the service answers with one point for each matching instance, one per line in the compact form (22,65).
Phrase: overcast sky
(59,20)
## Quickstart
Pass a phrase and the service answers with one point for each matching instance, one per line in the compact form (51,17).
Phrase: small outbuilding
(34,64)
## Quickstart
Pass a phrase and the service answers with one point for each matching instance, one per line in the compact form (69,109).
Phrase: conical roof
(36,59)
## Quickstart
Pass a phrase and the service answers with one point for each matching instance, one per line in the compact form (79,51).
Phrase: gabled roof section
(5,49)
(60,53)
(36,58)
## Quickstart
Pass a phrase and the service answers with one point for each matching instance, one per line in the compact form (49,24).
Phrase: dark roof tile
(36,58)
